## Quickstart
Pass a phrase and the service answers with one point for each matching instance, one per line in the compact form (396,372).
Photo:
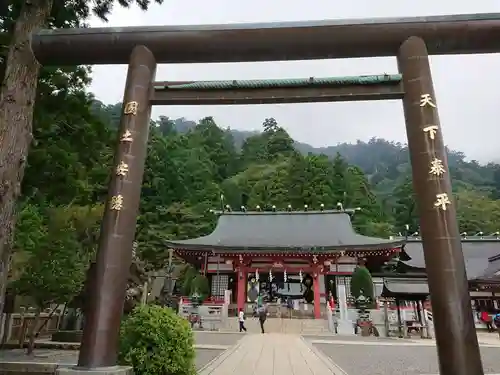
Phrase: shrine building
(286,257)
(482,264)
(303,257)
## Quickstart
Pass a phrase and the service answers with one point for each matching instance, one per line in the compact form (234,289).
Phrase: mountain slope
(385,163)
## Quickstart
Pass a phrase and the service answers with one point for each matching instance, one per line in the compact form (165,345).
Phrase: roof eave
(486,280)
(209,247)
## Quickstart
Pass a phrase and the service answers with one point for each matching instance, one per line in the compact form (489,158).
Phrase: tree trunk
(32,331)
(17,100)
(5,264)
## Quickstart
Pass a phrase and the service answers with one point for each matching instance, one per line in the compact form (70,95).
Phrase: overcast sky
(463,83)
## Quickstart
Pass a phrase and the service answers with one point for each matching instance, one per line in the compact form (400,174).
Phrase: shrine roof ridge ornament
(492,238)
(246,213)
(279,41)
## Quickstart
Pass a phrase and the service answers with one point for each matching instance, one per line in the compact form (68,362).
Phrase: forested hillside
(189,167)
(385,163)
(269,168)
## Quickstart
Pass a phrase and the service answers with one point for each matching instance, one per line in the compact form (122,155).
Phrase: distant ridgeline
(384,162)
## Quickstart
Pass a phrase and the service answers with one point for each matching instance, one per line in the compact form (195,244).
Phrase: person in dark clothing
(241,319)
(496,320)
(262,313)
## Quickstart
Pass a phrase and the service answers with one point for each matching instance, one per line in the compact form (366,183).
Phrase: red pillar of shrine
(317,298)
(241,293)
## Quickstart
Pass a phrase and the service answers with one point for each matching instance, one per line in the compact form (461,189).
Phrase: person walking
(486,319)
(241,319)
(262,313)
(496,320)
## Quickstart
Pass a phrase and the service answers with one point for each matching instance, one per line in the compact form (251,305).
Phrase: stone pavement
(271,354)
(490,338)
(371,356)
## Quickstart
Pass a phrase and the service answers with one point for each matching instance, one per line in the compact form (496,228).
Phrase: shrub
(201,286)
(362,280)
(156,341)
(186,278)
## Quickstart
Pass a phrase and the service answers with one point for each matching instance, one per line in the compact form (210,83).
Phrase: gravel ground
(396,360)
(203,356)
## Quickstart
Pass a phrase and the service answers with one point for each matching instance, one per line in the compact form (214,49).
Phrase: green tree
(31,230)
(361,283)
(382,229)
(20,76)
(477,213)
(272,144)
(270,125)
(54,269)
(405,207)
(249,187)
(166,126)
(269,187)
(296,180)
(71,156)
(218,145)
(200,286)
(69,161)
(320,184)
(178,191)
(359,195)
(278,142)
(339,176)
(253,150)
(176,221)
(187,275)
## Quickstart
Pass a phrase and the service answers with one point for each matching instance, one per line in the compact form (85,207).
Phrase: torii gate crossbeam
(330,39)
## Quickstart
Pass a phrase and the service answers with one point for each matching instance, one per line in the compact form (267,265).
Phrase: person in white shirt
(262,313)
(241,318)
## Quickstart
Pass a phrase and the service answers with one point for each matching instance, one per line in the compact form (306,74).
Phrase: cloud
(466,86)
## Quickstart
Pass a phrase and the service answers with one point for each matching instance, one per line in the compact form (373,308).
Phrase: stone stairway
(279,325)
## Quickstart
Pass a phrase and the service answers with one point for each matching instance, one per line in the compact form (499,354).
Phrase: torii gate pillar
(457,344)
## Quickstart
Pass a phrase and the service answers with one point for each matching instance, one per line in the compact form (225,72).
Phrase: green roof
(282,83)
(285,231)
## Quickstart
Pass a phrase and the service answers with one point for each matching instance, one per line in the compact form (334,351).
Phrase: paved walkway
(271,354)
(401,342)
(488,338)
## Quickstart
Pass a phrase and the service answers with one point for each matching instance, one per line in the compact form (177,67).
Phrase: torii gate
(411,40)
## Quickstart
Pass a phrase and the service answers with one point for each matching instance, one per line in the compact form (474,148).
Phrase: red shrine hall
(285,257)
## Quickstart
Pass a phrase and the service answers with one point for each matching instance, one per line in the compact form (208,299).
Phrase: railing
(208,301)
(279,310)
(20,323)
(428,315)
(212,316)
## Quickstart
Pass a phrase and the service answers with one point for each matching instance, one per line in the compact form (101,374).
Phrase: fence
(212,316)
(17,326)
